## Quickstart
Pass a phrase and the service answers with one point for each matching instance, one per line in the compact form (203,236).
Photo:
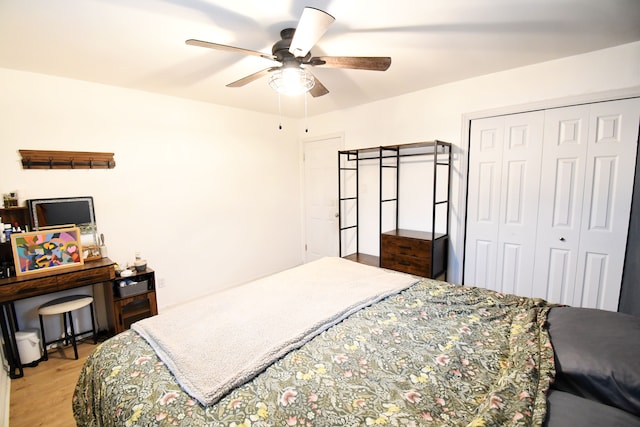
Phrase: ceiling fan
(293,54)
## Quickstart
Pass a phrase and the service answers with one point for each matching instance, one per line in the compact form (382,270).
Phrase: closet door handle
(562,239)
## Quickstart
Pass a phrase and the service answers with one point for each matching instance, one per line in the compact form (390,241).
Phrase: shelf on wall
(47,159)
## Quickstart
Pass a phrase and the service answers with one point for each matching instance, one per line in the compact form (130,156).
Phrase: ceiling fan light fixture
(291,81)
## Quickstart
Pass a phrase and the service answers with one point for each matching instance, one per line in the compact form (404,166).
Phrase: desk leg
(8,324)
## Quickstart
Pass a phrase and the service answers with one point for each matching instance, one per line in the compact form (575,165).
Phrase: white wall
(437,113)
(209,195)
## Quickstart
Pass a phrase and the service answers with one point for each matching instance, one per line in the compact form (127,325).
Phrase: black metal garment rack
(390,159)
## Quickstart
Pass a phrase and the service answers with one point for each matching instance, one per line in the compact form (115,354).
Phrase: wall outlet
(161,283)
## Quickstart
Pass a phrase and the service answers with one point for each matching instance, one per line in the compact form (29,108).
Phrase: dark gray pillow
(597,355)
(567,410)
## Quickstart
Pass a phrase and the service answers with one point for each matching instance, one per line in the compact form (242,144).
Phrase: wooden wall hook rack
(47,159)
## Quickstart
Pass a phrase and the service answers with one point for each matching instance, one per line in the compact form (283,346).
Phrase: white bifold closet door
(502,204)
(549,202)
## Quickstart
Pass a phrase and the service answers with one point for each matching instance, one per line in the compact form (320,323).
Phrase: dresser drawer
(413,252)
(406,246)
(406,264)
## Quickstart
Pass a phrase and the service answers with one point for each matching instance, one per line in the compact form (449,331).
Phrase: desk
(16,288)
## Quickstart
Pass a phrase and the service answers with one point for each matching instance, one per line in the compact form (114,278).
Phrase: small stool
(65,306)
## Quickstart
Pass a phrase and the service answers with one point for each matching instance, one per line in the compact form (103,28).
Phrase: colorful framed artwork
(46,250)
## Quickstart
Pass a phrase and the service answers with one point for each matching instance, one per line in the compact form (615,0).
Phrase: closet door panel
(560,207)
(521,159)
(559,282)
(611,157)
(600,209)
(482,274)
(512,266)
(596,269)
(485,178)
(503,186)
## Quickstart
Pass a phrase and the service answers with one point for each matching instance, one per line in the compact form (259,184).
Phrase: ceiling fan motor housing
(280,49)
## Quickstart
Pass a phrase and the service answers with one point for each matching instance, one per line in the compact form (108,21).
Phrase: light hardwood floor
(43,396)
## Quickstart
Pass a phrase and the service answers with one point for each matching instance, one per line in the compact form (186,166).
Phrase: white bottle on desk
(7,232)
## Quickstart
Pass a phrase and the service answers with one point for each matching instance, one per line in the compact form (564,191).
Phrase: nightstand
(134,301)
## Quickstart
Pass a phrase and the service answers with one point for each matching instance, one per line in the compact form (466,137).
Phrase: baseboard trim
(5,396)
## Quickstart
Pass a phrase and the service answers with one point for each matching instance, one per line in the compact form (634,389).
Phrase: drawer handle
(26,290)
(405,247)
(404,263)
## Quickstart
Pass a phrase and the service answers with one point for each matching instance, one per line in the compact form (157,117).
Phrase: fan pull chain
(279,113)
(306,121)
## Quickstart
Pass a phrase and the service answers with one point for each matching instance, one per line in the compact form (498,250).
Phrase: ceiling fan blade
(251,77)
(375,63)
(318,88)
(312,25)
(200,43)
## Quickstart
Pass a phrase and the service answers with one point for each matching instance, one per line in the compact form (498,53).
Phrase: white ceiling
(139,44)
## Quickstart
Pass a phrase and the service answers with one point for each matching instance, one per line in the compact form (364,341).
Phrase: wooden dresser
(414,252)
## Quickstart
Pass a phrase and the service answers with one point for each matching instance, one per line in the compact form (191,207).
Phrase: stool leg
(45,355)
(93,325)
(73,336)
(66,330)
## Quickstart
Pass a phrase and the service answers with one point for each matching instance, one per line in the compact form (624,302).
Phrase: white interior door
(321,197)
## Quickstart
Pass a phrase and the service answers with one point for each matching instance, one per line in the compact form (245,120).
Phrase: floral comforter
(435,354)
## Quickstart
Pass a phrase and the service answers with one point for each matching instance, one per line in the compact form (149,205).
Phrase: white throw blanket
(223,340)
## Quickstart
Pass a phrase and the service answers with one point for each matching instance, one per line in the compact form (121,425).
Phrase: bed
(417,352)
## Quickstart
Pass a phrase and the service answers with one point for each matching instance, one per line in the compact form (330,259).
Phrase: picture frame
(47,250)
(91,252)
